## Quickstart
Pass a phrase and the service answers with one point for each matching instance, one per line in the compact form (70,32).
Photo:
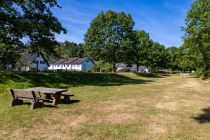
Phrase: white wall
(85,66)
(76,67)
(41,67)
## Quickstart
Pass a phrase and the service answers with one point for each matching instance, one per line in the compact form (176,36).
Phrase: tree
(8,55)
(69,49)
(187,58)
(157,56)
(106,34)
(172,52)
(197,32)
(29,21)
(141,45)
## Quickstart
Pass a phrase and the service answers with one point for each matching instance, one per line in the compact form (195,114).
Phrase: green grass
(109,106)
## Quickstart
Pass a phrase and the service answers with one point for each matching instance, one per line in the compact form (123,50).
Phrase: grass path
(165,107)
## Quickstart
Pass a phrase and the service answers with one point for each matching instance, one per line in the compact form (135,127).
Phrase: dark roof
(74,60)
(79,60)
(28,58)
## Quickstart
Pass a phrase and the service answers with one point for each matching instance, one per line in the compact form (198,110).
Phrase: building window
(42,62)
(35,62)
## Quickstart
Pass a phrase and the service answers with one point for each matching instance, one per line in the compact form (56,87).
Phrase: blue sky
(161,18)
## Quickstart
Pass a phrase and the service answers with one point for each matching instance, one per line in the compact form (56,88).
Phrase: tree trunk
(206,66)
(205,72)
(37,66)
(137,67)
(114,67)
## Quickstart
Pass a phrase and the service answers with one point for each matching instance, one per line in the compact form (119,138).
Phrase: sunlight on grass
(111,106)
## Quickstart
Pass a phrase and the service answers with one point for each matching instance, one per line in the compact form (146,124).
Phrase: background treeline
(110,38)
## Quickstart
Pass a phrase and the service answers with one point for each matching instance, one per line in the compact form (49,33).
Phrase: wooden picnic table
(50,93)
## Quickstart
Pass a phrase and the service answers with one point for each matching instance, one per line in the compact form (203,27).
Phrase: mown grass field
(109,106)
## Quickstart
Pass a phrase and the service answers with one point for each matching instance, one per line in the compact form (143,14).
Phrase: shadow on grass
(49,104)
(68,79)
(152,75)
(205,117)
(71,102)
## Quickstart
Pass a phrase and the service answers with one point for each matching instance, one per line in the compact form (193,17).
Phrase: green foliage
(8,55)
(187,58)
(107,32)
(157,56)
(68,49)
(31,21)
(139,51)
(197,35)
(102,67)
(172,54)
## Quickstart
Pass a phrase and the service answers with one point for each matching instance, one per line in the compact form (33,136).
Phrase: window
(42,62)
(35,62)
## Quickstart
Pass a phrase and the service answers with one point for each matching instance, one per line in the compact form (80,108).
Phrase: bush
(102,67)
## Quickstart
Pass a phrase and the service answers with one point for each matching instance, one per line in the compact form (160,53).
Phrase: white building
(32,62)
(72,64)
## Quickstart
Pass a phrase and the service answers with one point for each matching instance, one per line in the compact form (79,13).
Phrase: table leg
(56,98)
(48,96)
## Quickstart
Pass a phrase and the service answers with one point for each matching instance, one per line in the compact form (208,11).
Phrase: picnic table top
(48,90)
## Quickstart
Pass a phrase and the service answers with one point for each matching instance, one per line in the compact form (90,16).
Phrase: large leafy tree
(107,33)
(70,49)
(141,45)
(186,58)
(172,52)
(157,56)
(29,21)
(198,32)
(8,55)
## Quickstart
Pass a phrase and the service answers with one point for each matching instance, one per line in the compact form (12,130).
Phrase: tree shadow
(205,117)
(70,102)
(68,79)
(152,75)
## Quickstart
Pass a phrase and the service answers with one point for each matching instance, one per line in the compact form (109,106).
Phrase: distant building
(72,64)
(124,67)
(32,62)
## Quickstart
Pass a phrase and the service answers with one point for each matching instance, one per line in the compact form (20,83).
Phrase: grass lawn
(109,106)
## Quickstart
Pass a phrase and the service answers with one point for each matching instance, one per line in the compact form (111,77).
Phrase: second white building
(72,64)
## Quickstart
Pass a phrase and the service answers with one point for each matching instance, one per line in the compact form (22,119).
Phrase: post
(113,67)
(37,66)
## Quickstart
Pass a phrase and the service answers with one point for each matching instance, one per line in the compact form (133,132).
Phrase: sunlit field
(109,106)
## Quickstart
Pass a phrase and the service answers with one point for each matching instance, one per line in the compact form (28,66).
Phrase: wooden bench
(66,96)
(18,95)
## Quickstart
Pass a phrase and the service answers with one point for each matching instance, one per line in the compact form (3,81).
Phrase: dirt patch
(167,105)
(117,118)
(192,83)
(122,111)
(162,123)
